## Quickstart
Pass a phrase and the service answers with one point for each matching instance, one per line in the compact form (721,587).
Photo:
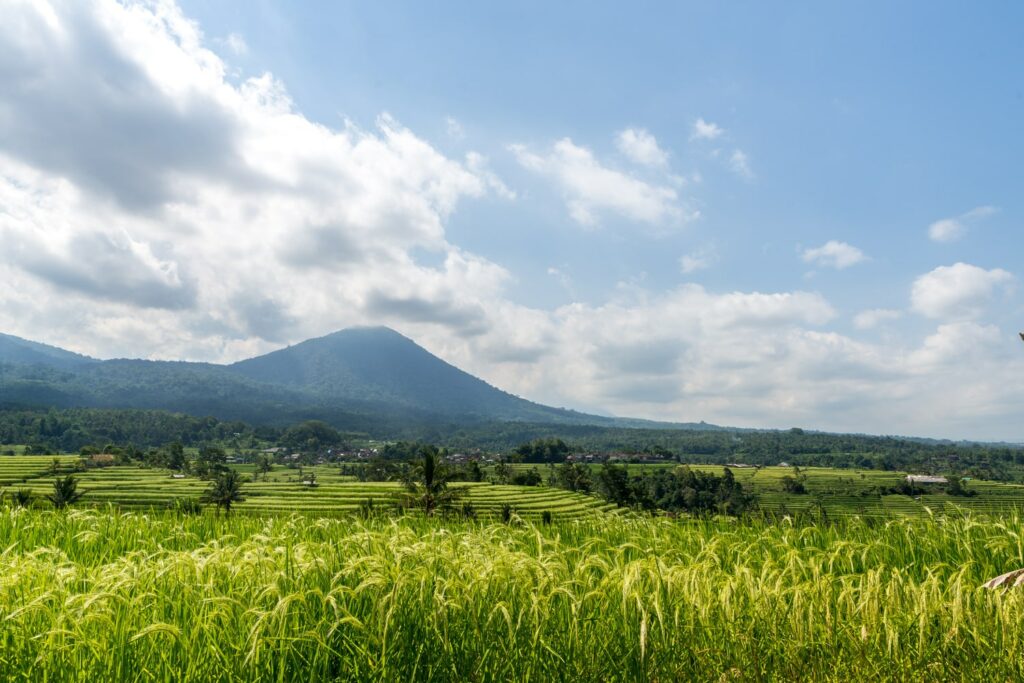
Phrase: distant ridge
(15,350)
(369,378)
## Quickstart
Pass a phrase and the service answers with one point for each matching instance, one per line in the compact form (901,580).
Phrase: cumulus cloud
(960,291)
(872,318)
(699,259)
(953,229)
(705,130)
(135,175)
(834,254)
(592,188)
(641,147)
(152,205)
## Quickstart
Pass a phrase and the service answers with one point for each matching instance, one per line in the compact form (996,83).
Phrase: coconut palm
(428,483)
(65,492)
(23,497)
(224,491)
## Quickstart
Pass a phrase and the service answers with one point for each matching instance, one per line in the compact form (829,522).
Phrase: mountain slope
(17,351)
(371,379)
(377,364)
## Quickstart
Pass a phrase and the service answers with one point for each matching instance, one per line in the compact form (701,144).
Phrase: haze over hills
(370,378)
(14,350)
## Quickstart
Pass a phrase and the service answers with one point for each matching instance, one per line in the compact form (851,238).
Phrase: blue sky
(863,122)
(761,214)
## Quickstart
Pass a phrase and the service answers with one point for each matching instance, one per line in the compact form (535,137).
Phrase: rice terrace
(486,342)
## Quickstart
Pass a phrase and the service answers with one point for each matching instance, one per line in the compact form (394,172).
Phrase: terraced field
(282,492)
(844,492)
(856,492)
(835,492)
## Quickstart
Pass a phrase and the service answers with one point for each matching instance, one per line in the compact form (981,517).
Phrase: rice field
(846,492)
(849,492)
(830,492)
(90,595)
(283,491)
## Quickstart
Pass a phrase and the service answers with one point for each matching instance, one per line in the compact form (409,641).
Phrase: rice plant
(109,595)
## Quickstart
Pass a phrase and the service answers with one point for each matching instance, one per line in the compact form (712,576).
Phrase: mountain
(371,379)
(379,365)
(14,350)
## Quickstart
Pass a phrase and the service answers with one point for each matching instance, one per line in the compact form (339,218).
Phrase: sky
(754,214)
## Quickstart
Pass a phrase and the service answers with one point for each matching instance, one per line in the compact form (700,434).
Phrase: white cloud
(454,128)
(641,147)
(236,43)
(591,188)
(705,130)
(150,206)
(477,163)
(953,229)
(142,192)
(956,292)
(872,318)
(739,162)
(699,259)
(834,254)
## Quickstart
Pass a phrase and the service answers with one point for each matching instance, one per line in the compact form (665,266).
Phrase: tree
(502,472)
(530,477)
(311,436)
(23,497)
(793,485)
(613,484)
(211,461)
(574,476)
(543,450)
(174,456)
(957,487)
(473,471)
(65,492)
(225,490)
(428,482)
(263,465)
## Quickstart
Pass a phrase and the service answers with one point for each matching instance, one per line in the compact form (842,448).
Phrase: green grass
(108,595)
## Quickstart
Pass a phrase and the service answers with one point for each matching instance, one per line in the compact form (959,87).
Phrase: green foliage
(679,490)
(264,465)
(23,497)
(224,491)
(428,483)
(543,450)
(793,485)
(530,477)
(65,492)
(957,487)
(575,477)
(311,436)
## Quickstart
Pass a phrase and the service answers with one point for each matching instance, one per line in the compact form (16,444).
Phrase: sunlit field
(105,595)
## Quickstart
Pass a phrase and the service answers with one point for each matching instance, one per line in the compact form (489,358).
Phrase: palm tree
(428,483)
(224,491)
(65,492)
(23,497)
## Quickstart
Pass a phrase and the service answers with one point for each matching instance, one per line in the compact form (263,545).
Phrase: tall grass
(104,595)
